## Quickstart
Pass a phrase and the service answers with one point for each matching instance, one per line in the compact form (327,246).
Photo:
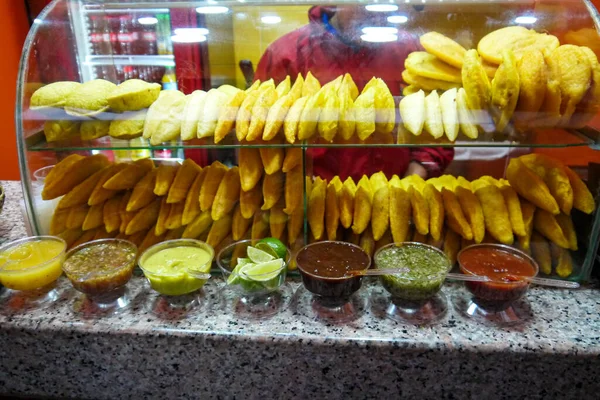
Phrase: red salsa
(503,267)
(496,264)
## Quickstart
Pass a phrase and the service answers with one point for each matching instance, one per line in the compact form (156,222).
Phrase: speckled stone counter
(54,352)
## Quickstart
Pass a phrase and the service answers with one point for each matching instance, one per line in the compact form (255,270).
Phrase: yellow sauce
(171,271)
(31,265)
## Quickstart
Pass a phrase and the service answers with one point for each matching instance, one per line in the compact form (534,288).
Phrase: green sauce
(427,270)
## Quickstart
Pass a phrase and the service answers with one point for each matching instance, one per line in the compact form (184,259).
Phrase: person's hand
(414,168)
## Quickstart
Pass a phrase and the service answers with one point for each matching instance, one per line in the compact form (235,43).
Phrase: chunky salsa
(496,264)
(99,267)
(506,269)
(425,270)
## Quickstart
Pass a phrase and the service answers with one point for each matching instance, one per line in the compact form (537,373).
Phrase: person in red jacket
(329,46)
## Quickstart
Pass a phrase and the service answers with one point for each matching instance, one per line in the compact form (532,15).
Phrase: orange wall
(13,29)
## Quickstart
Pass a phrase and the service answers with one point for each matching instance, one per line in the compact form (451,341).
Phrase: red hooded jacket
(313,48)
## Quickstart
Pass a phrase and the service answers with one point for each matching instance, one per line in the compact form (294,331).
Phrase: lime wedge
(258,256)
(277,245)
(267,249)
(234,278)
(262,272)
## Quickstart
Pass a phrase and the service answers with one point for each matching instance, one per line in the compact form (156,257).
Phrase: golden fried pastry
(61,130)
(213,104)
(364,114)
(450,113)
(259,113)
(186,174)
(516,38)
(128,125)
(533,79)
(311,85)
(90,98)
(292,119)
(129,176)
(476,82)
(70,172)
(443,48)
(133,95)
(165,175)
(574,73)
(412,112)
(52,95)
(211,183)
(227,195)
(505,90)
(421,63)
(363,205)
(94,129)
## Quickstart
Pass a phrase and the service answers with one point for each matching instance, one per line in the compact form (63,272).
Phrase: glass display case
(231,120)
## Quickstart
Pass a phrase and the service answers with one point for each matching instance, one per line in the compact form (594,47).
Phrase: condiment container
(259,285)
(426,268)
(505,266)
(31,263)
(324,268)
(173,271)
(101,266)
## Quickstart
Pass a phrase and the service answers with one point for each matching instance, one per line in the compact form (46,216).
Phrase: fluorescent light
(379,38)
(397,19)
(148,21)
(526,20)
(270,19)
(188,38)
(212,10)
(379,30)
(381,7)
(191,31)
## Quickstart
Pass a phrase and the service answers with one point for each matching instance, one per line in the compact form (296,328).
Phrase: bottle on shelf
(96,36)
(113,23)
(149,39)
(125,37)
(135,32)
(169,79)
(163,30)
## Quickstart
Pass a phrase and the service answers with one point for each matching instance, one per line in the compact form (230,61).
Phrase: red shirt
(313,48)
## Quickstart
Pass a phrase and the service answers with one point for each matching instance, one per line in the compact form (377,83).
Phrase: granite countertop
(555,351)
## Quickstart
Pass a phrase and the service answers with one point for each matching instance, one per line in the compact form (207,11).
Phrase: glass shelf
(572,138)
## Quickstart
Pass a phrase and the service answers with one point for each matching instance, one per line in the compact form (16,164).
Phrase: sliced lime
(258,256)
(267,249)
(277,245)
(234,278)
(262,272)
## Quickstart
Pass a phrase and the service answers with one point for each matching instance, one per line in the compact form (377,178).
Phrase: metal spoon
(470,278)
(530,279)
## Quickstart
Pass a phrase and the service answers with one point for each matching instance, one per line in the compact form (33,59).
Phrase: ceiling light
(212,10)
(397,19)
(379,30)
(528,20)
(379,38)
(270,19)
(381,7)
(191,31)
(188,38)
(148,21)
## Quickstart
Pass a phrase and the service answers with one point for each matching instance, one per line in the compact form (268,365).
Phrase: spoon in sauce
(470,278)
(530,279)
